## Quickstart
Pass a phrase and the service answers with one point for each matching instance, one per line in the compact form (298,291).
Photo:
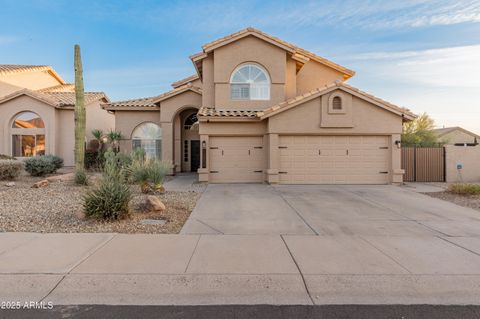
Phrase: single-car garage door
(237,159)
(334,159)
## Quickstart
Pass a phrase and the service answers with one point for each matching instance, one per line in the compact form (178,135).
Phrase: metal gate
(423,164)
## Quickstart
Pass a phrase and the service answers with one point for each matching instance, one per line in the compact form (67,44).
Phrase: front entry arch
(187,141)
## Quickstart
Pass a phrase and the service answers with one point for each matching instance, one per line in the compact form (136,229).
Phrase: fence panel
(423,164)
(408,163)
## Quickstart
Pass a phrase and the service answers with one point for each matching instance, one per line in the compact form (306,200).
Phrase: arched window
(148,136)
(28,135)
(337,103)
(190,121)
(250,82)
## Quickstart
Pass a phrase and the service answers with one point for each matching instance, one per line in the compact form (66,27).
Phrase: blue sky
(424,55)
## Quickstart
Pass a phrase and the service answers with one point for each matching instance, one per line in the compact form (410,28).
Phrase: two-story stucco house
(37,112)
(260,109)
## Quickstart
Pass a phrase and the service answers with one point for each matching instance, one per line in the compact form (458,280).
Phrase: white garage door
(237,159)
(334,159)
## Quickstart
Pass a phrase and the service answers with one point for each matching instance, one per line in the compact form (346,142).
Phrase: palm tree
(80,117)
(114,139)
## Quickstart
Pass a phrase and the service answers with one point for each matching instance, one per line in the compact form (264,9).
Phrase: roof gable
(8,69)
(56,99)
(297,53)
(446,130)
(286,105)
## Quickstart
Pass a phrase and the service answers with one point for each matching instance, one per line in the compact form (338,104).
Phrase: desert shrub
(81,178)
(464,189)
(149,174)
(42,165)
(123,160)
(6,157)
(94,159)
(10,169)
(110,199)
(56,160)
(157,170)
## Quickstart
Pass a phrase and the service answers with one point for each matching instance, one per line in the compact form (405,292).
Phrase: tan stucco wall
(170,107)
(314,75)
(208,85)
(468,157)
(33,81)
(290,79)
(458,136)
(66,136)
(233,128)
(306,119)
(98,118)
(249,49)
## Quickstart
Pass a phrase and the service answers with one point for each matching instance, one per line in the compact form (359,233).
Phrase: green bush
(10,169)
(157,170)
(81,178)
(42,165)
(110,199)
(6,157)
(56,160)
(464,189)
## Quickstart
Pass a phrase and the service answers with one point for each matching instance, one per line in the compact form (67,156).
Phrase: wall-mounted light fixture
(204,144)
(398,143)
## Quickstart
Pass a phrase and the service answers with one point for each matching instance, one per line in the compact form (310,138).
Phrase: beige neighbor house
(36,113)
(457,136)
(260,109)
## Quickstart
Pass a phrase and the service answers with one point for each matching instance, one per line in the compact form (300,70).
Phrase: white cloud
(443,82)
(7,39)
(446,67)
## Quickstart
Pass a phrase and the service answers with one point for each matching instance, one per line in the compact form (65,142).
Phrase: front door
(194,155)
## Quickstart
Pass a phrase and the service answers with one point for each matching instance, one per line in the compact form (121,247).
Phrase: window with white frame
(148,136)
(250,82)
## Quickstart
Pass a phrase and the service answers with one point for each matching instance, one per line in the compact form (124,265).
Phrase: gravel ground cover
(57,208)
(472,201)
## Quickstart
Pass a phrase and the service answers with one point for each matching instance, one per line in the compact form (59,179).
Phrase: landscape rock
(42,183)
(10,184)
(155,204)
(61,177)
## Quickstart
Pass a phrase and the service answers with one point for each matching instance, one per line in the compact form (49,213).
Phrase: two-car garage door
(334,159)
(302,159)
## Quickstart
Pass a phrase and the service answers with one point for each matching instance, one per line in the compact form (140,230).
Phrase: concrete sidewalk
(117,269)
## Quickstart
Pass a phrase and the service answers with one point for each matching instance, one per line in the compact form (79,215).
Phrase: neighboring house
(456,136)
(36,112)
(267,111)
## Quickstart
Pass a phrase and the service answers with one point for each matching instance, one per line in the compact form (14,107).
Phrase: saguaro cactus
(80,118)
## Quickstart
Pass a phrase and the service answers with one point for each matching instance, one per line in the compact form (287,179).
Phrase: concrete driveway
(327,210)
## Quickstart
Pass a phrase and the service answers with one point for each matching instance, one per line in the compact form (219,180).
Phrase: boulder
(153,203)
(42,183)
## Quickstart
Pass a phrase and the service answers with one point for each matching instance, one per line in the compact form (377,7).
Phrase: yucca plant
(157,170)
(138,172)
(111,198)
(114,138)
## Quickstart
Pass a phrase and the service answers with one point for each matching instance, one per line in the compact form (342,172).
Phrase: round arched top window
(28,120)
(148,136)
(250,82)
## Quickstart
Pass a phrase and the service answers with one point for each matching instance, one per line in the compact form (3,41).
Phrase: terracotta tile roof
(142,102)
(68,98)
(293,48)
(56,99)
(153,100)
(59,88)
(213,112)
(337,84)
(6,69)
(186,80)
